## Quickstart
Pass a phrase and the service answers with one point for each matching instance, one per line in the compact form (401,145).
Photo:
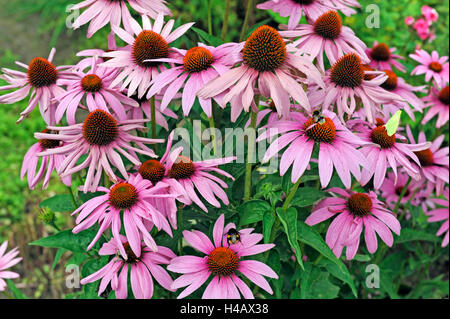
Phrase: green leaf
(15,291)
(289,220)
(362,258)
(315,284)
(306,196)
(312,238)
(409,234)
(58,203)
(252,211)
(58,256)
(208,38)
(67,240)
(337,272)
(90,291)
(268,220)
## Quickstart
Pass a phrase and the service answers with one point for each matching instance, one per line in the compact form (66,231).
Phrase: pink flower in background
(433,66)
(327,35)
(438,102)
(132,199)
(48,163)
(42,79)
(196,67)
(94,87)
(441,214)
(187,176)
(383,57)
(430,14)
(352,212)
(410,104)
(382,150)
(103,138)
(224,262)
(6,261)
(101,12)
(270,64)
(150,42)
(337,147)
(142,270)
(393,187)
(434,161)
(409,20)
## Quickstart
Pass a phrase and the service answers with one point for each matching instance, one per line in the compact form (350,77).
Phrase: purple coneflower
(48,163)
(132,199)
(42,79)
(103,138)
(269,63)
(355,211)
(197,66)
(433,66)
(101,12)
(6,261)
(393,187)
(383,57)
(142,270)
(222,261)
(144,44)
(440,214)
(327,35)
(337,147)
(383,150)
(434,162)
(438,102)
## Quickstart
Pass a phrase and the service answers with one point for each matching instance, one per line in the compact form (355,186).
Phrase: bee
(318,117)
(233,236)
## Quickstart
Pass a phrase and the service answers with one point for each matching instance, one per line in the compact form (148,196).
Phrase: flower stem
(402,194)
(72,197)
(209,18)
(212,126)
(291,194)
(153,114)
(251,150)
(247,16)
(225,20)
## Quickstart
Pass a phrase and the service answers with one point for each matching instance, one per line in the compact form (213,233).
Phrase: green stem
(212,126)
(248,165)
(72,197)
(225,20)
(291,194)
(247,16)
(209,18)
(153,114)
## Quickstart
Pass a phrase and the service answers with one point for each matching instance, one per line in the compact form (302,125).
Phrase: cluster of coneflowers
(96,113)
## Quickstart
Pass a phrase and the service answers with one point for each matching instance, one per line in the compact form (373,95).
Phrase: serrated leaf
(252,211)
(67,240)
(289,221)
(306,196)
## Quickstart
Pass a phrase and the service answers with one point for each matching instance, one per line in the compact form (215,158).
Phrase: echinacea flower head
(144,56)
(196,67)
(103,138)
(337,147)
(433,66)
(101,12)
(224,262)
(185,176)
(295,9)
(434,161)
(349,84)
(93,87)
(7,261)
(326,35)
(410,104)
(440,214)
(48,164)
(385,150)
(142,270)
(438,102)
(42,79)
(384,58)
(268,62)
(129,201)
(352,212)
